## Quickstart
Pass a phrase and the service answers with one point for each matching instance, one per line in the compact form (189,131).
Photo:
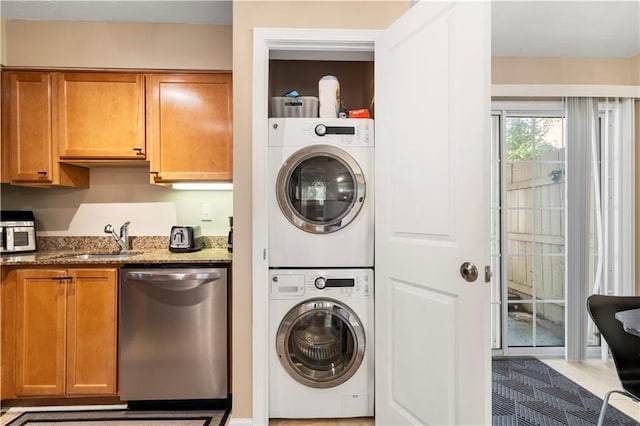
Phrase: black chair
(624,347)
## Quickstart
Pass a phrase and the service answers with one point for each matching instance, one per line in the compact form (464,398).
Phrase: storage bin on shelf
(301,106)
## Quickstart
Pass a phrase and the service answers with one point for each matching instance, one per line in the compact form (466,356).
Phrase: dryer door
(320,189)
(321,343)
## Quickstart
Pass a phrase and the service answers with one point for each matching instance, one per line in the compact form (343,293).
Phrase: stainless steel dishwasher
(173,333)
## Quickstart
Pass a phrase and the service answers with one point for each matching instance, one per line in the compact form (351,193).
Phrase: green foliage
(526,138)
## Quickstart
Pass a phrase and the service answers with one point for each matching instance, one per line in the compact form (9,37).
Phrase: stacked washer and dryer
(321,358)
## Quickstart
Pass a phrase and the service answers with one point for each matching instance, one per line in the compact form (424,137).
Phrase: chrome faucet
(123,239)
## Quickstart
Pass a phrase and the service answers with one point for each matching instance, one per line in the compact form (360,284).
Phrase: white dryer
(321,358)
(320,175)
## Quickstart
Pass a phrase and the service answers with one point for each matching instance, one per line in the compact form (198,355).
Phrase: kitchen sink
(102,256)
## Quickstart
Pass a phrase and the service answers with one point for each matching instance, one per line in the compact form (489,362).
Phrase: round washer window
(320,189)
(321,343)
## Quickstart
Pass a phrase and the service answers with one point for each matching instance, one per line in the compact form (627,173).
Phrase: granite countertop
(149,250)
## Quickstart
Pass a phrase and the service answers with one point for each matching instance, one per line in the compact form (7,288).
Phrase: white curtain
(618,197)
(600,156)
(581,134)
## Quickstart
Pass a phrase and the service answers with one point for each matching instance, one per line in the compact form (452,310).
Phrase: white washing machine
(321,361)
(320,192)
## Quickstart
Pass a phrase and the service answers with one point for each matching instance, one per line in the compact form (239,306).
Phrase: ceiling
(519,28)
(566,28)
(168,11)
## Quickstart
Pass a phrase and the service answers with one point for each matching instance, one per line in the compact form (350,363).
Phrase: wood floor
(593,375)
(362,421)
(598,378)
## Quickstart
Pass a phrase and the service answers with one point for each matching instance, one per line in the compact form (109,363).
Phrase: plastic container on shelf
(329,94)
(300,106)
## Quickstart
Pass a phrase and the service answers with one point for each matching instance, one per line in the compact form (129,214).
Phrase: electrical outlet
(207,213)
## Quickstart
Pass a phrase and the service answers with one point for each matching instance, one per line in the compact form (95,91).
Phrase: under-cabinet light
(213,186)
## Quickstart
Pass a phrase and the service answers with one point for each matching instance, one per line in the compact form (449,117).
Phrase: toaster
(185,239)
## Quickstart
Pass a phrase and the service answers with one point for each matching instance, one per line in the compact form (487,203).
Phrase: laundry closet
(320,209)
(429,180)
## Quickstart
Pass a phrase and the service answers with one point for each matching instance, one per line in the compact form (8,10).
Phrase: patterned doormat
(121,418)
(528,392)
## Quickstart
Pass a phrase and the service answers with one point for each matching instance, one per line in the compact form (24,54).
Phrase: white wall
(118,194)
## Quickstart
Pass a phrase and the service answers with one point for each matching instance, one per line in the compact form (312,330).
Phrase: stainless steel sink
(102,256)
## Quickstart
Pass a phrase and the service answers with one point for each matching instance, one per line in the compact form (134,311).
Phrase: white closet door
(432,215)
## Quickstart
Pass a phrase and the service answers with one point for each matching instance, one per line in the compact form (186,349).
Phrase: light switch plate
(207,213)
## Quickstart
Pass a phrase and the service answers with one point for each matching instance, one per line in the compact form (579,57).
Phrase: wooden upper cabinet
(101,115)
(32,151)
(189,127)
(5,173)
(29,130)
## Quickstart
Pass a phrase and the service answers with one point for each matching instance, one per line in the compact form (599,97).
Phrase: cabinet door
(40,332)
(30,134)
(101,115)
(5,165)
(189,127)
(91,331)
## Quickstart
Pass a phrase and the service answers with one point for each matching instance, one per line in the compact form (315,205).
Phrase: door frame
(280,43)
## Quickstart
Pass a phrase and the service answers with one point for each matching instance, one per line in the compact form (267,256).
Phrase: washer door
(320,189)
(321,343)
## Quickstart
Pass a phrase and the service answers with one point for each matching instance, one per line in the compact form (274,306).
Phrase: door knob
(469,271)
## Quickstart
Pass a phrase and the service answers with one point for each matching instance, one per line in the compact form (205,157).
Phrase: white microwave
(17,231)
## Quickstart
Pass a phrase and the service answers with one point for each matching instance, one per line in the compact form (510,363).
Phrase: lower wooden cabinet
(66,332)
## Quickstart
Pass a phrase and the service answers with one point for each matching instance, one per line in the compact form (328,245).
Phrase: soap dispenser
(230,237)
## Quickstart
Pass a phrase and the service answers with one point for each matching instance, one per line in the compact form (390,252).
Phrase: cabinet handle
(138,151)
(61,278)
(42,175)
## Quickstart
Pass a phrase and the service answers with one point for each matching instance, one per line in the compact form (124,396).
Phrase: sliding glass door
(529,229)
(539,300)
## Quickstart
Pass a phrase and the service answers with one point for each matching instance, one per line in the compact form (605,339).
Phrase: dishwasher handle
(174,281)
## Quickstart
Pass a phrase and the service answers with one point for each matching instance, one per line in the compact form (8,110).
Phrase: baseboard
(239,422)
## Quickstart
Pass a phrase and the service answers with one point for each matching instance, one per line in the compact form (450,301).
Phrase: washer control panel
(351,132)
(299,283)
